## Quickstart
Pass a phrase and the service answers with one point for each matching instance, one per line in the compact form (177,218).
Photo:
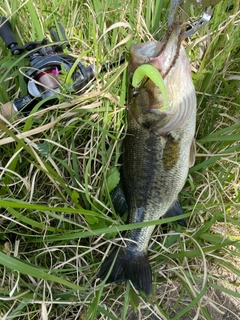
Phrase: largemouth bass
(158,151)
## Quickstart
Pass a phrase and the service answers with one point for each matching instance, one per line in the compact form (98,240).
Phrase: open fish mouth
(168,56)
(161,54)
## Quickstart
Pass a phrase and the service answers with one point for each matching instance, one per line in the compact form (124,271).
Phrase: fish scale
(147,182)
(157,152)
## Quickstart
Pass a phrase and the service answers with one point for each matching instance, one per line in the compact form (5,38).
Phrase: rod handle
(6,32)
(7,110)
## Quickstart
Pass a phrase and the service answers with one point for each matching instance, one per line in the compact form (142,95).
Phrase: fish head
(168,56)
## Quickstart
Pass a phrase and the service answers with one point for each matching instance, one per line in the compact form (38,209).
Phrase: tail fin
(128,265)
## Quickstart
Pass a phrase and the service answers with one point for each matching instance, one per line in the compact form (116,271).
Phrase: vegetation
(59,164)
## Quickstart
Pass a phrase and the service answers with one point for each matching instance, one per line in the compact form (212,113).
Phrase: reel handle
(58,33)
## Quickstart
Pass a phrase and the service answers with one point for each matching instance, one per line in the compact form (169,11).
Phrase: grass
(59,164)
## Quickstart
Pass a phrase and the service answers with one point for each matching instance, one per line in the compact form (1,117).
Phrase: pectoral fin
(119,200)
(192,154)
(176,210)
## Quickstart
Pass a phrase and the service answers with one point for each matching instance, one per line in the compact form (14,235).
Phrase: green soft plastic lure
(147,70)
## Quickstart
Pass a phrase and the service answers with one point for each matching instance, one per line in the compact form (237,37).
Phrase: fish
(158,150)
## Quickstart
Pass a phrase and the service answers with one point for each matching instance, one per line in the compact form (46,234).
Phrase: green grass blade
(24,268)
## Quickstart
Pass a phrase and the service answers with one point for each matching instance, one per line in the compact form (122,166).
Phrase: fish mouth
(161,54)
(168,56)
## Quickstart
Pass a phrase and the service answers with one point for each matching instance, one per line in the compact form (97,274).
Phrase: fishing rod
(48,62)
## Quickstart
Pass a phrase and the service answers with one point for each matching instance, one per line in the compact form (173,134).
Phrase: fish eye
(135,92)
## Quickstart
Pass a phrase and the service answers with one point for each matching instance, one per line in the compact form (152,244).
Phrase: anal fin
(176,210)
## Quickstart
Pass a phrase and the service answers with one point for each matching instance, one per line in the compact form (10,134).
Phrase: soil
(221,306)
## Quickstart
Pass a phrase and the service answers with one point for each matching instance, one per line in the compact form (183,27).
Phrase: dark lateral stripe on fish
(170,153)
(129,265)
